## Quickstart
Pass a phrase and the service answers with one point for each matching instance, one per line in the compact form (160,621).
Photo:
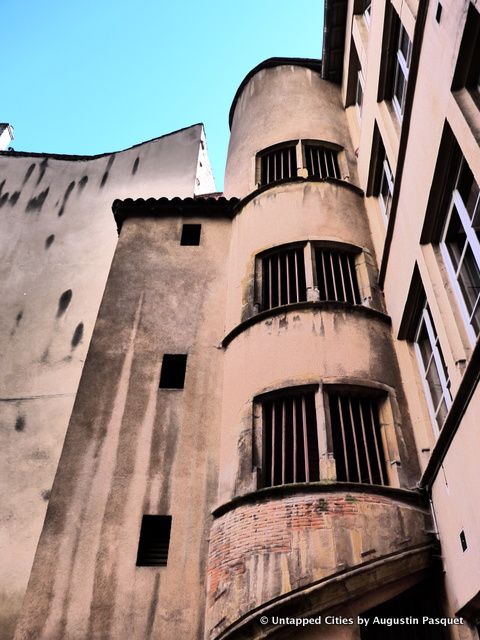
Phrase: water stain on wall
(36,203)
(20,423)
(49,241)
(111,160)
(42,167)
(66,196)
(63,302)
(77,335)
(28,174)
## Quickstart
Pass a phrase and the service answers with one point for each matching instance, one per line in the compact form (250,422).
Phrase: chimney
(6,135)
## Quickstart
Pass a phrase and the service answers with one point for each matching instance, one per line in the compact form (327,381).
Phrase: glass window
(402,65)
(460,247)
(433,368)
(386,188)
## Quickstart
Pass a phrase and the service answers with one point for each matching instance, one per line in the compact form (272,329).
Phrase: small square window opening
(172,375)
(191,234)
(154,541)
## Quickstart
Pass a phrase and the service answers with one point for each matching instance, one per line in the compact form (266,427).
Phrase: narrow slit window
(290,440)
(357,441)
(172,375)
(336,275)
(191,234)
(278,164)
(154,541)
(283,278)
(321,161)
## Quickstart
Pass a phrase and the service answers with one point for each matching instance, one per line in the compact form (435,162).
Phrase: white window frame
(361,83)
(388,176)
(425,319)
(367,15)
(402,66)
(472,242)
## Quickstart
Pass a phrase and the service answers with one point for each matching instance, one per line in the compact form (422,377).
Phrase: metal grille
(278,165)
(154,541)
(321,162)
(290,443)
(283,278)
(336,276)
(357,443)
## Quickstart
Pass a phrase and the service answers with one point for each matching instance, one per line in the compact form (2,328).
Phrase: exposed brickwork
(267,528)
(262,550)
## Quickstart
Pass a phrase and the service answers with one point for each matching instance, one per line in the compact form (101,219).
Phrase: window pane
(468,189)
(455,238)
(469,280)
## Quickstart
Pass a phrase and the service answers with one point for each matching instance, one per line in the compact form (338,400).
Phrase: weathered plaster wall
(132,448)
(57,240)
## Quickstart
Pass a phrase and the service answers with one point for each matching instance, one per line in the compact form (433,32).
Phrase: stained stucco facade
(316,454)
(58,239)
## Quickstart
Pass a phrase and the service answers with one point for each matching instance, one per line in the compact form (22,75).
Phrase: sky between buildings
(87,77)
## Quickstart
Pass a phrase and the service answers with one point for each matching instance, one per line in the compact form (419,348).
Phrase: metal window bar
(321,161)
(336,276)
(277,165)
(283,278)
(356,439)
(290,451)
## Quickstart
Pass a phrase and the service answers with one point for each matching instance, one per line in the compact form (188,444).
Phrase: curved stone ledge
(302,539)
(300,306)
(297,179)
(415,498)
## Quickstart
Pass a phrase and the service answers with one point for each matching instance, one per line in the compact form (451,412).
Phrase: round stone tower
(316,513)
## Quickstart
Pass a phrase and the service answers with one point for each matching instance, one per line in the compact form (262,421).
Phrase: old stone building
(276,426)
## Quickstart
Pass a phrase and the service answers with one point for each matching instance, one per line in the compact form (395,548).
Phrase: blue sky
(90,77)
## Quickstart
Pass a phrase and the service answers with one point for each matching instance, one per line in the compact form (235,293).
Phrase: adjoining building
(57,240)
(278,414)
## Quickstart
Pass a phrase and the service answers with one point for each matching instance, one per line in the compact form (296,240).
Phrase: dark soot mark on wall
(29,173)
(43,165)
(66,196)
(20,423)
(77,335)
(19,317)
(13,198)
(63,302)
(36,203)
(4,198)
(2,184)
(45,494)
(82,183)
(49,241)
(111,160)
(135,166)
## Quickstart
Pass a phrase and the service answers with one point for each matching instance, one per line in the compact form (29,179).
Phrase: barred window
(278,164)
(321,161)
(357,441)
(336,275)
(290,440)
(283,278)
